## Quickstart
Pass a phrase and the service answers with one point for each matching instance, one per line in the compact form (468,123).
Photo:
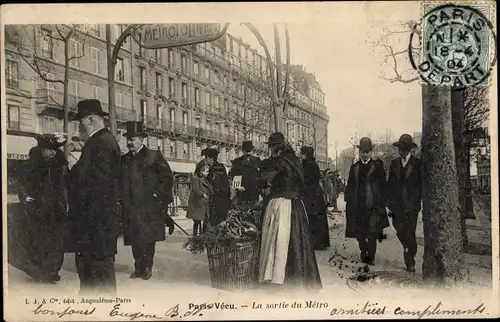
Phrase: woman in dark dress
(286,254)
(314,201)
(42,245)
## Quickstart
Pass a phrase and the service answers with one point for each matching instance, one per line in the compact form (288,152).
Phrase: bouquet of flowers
(238,227)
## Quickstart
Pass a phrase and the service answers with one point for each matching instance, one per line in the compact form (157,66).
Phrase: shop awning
(182,167)
(18,147)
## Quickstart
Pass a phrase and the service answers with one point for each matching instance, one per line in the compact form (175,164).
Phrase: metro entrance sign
(157,36)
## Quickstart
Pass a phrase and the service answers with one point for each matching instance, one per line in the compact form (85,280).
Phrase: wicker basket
(236,269)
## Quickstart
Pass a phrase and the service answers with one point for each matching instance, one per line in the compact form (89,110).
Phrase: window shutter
(127,74)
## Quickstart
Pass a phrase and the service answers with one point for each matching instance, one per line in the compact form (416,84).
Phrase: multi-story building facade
(307,119)
(190,97)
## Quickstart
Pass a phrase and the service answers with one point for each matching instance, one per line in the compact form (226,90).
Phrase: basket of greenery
(232,249)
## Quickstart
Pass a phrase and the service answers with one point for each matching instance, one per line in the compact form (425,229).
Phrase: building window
(173,149)
(216,77)
(207,72)
(158,56)
(171,87)
(49,124)
(217,102)
(120,99)
(198,122)
(184,92)
(142,74)
(47,45)
(12,74)
(170,58)
(144,110)
(95,30)
(159,86)
(98,93)
(226,105)
(96,60)
(75,52)
(183,63)
(185,118)
(172,115)
(196,68)
(208,99)
(197,96)
(159,114)
(120,71)
(13,117)
(185,151)
(75,88)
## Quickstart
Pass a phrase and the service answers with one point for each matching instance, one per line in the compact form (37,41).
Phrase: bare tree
(36,45)
(443,257)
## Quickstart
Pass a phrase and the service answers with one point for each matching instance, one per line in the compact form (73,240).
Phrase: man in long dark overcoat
(365,197)
(147,183)
(93,184)
(248,167)
(405,197)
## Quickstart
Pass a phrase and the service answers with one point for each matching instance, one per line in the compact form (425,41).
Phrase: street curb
(482,218)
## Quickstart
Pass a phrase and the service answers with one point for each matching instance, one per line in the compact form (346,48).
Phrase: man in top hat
(365,197)
(247,166)
(147,183)
(405,196)
(94,184)
(220,202)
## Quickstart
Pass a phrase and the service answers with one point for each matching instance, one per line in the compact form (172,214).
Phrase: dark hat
(276,138)
(88,107)
(212,153)
(247,146)
(307,150)
(51,141)
(134,129)
(405,141)
(365,144)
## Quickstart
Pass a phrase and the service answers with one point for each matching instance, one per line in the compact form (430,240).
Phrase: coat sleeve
(165,179)
(79,177)
(349,189)
(30,184)
(196,190)
(390,185)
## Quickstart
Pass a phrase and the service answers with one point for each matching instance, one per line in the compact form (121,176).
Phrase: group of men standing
(104,186)
(371,198)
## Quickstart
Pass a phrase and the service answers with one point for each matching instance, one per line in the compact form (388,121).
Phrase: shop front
(18,147)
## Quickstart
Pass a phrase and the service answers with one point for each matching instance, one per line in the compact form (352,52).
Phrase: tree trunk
(444,261)
(457,115)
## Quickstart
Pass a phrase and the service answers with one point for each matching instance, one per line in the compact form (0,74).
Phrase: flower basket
(234,268)
(232,249)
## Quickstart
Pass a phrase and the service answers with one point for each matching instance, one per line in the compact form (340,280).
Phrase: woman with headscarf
(313,198)
(286,254)
(42,251)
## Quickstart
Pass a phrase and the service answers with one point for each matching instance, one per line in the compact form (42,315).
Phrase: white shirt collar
(407,158)
(365,162)
(93,132)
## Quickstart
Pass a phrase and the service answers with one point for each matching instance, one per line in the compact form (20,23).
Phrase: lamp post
(112,53)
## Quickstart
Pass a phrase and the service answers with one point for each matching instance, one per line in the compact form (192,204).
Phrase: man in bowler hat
(405,196)
(93,191)
(247,166)
(365,197)
(147,183)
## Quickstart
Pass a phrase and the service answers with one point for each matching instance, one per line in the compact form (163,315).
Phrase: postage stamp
(458,44)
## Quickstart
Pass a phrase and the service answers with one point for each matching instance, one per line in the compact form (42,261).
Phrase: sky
(349,68)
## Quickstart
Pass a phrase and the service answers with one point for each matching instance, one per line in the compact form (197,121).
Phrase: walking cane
(180,228)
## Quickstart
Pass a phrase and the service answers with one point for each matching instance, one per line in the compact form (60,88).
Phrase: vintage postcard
(233,161)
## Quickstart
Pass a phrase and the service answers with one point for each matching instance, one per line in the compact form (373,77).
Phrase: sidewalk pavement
(176,269)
